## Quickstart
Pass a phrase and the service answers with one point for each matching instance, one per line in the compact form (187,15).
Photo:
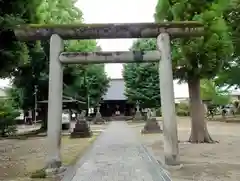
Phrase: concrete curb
(157,170)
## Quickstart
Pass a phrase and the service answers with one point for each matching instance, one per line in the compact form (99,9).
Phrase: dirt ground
(202,162)
(19,158)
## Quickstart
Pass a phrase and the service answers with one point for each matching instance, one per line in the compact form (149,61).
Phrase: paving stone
(117,155)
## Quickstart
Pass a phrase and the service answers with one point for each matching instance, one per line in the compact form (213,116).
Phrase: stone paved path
(117,155)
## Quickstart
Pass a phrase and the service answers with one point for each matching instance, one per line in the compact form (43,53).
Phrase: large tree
(197,58)
(35,70)
(12,52)
(15,55)
(142,79)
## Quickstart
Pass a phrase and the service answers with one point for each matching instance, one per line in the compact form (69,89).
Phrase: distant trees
(142,79)
(211,92)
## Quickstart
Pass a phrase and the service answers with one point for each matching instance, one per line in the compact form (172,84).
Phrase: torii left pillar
(55,103)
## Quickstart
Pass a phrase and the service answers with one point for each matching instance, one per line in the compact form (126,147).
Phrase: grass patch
(39,174)
(22,159)
(73,149)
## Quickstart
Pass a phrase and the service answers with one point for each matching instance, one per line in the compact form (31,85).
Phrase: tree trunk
(199,131)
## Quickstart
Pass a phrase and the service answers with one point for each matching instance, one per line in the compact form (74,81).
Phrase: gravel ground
(118,155)
(18,158)
(202,162)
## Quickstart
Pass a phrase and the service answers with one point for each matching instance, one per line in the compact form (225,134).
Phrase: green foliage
(144,45)
(12,53)
(199,57)
(39,174)
(16,96)
(58,12)
(90,80)
(229,75)
(182,109)
(142,84)
(232,16)
(142,80)
(213,93)
(7,118)
(83,81)
(35,70)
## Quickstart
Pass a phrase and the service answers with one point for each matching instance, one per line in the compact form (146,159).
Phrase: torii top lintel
(108,31)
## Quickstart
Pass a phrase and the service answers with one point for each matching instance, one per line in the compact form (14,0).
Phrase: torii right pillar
(170,135)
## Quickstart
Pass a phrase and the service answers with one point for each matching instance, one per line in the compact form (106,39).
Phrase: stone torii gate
(57,33)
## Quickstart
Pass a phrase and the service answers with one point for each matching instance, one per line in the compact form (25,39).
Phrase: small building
(69,104)
(114,101)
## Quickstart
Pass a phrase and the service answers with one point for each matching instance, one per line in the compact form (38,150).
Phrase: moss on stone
(172,24)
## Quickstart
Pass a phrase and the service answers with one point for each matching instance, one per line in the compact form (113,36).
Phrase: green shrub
(7,118)
(181,112)
(182,109)
(39,174)
(183,106)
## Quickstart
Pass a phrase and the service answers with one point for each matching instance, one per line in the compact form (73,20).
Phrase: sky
(121,11)
(118,11)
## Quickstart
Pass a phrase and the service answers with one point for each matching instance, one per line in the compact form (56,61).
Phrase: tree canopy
(229,75)
(198,58)
(90,81)
(142,84)
(34,70)
(141,79)
(13,53)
